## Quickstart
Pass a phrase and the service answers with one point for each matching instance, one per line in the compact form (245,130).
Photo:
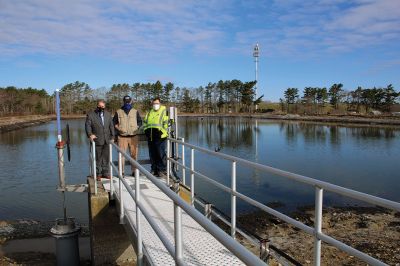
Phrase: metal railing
(176,251)
(319,186)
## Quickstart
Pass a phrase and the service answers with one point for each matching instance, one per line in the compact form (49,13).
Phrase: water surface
(361,158)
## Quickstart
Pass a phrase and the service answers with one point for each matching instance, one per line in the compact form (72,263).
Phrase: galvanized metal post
(183,163)
(111,174)
(94,167)
(176,131)
(168,162)
(178,233)
(121,200)
(318,225)
(192,175)
(233,201)
(138,215)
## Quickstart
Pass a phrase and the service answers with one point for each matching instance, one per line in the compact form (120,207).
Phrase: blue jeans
(157,154)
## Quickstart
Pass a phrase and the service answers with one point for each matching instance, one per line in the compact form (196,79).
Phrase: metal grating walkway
(199,246)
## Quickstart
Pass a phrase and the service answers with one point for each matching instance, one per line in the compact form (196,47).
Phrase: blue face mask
(127,107)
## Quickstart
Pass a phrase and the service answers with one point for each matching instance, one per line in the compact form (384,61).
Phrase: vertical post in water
(121,198)
(183,163)
(60,145)
(111,174)
(192,175)
(233,201)
(168,160)
(138,214)
(318,225)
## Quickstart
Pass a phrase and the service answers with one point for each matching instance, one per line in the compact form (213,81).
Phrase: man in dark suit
(100,129)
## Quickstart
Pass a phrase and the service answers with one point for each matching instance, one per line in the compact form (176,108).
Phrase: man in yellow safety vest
(156,129)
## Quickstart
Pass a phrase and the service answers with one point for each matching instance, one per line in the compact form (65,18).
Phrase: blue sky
(49,43)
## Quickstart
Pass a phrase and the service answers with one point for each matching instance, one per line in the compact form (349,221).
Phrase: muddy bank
(28,242)
(355,120)
(375,231)
(18,122)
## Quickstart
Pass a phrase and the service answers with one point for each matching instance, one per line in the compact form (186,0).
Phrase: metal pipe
(318,225)
(183,162)
(233,201)
(59,136)
(111,175)
(241,252)
(150,219)
(168,161)
(94,167)
(303,179)
(282,216)
(121,201)
(178,233)
(192,176)
(138,226)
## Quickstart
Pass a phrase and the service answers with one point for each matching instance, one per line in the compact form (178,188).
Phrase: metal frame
(179,204)
(319,186)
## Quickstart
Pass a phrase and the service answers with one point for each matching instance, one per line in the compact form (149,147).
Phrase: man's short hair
(156,98)
(127,99)
(101,101)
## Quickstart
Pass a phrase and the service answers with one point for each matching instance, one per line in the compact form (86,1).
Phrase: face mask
(127,106)
(100,109)
(156,106)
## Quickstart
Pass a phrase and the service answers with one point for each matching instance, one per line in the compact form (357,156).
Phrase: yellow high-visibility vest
(157,119)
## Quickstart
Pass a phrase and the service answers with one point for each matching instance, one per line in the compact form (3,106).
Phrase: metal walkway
(200,247)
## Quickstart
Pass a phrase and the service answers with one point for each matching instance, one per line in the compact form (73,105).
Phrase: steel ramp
(199,246)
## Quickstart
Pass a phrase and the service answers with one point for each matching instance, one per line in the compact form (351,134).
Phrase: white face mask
(156,106)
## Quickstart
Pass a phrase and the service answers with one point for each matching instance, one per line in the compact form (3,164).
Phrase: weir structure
(165,228)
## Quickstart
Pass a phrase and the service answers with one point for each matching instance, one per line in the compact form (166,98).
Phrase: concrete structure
(110,245)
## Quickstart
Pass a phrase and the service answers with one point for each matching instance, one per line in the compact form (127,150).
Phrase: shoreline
(373,230)
(11,123)
(344,119)
(18,122)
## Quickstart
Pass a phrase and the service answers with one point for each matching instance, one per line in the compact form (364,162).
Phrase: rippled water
(361,158)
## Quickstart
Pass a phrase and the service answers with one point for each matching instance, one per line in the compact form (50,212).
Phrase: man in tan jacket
(127,122)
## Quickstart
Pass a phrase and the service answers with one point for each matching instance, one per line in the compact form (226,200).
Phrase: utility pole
(256,55)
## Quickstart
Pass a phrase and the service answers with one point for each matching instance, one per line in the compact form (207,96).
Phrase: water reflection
(361,158)
(353,157)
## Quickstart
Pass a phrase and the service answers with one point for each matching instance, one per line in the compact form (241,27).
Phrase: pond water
(358,157)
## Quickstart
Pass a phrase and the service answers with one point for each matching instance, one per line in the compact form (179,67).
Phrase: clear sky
(49,43)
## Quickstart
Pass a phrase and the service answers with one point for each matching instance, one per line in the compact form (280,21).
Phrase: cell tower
(256,55)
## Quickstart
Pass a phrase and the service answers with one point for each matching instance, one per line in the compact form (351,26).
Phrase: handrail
(301,178)
(237,249)
(319,187)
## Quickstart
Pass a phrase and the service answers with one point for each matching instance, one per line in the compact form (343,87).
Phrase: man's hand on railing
(92,137)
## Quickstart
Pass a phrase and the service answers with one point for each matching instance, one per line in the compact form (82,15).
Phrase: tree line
(78,97)
(18,101)
(315,100)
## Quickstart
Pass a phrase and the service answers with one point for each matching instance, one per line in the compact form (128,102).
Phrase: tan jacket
(127,123)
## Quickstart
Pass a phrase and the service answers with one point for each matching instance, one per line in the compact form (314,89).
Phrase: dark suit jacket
(93,125)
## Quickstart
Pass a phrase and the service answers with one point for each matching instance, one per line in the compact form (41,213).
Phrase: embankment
(18,122)
(345,119)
